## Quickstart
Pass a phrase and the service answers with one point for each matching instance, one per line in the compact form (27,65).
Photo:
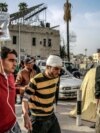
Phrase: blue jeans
(48,124)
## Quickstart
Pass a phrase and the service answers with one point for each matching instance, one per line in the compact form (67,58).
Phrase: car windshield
(66,73)
(69,65)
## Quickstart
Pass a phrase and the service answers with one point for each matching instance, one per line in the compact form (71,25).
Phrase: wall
(25,33)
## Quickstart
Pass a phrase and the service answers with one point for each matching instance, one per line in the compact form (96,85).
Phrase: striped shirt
(41,93)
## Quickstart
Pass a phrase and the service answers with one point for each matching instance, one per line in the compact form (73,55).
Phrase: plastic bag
(4,23)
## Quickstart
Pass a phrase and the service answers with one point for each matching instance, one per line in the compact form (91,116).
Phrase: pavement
(67,123)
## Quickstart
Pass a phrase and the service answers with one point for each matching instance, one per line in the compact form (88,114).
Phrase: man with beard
(39,98)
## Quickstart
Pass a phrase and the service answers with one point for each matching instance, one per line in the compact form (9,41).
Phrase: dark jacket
(97,83)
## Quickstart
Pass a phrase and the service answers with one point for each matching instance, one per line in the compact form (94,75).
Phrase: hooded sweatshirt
(7,90)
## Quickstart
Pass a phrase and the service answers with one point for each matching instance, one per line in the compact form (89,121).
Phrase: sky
(85,23)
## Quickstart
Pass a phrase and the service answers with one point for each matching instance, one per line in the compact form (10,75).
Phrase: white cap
(54,61)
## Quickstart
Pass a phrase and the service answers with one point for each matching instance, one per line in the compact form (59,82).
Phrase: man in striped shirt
(39,98)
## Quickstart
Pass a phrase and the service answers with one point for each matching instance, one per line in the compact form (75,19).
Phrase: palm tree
(22,8)
(3,7)
(67,18)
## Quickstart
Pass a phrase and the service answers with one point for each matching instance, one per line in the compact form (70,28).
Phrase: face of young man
(9,63)
(54,71)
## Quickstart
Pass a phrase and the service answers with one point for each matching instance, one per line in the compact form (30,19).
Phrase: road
(68,124)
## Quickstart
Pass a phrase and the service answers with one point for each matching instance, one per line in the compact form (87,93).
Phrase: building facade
(34,40)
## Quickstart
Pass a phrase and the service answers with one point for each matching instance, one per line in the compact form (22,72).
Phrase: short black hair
(28,60)
(33,58)
(5,51)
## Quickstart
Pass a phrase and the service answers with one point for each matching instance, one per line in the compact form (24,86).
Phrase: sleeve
(97,83)
(18,79)
(20,82)
(30,90)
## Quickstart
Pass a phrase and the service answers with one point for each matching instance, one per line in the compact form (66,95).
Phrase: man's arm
(29,91)
(19,83)
(25,109)
(27,121)
(18,80)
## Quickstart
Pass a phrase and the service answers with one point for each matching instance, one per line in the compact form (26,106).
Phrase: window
(44,42)
(49,42)
(14,40)
(40,42)
(33,41)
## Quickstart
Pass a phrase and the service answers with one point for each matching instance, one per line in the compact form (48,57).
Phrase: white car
(68,86)
(41,64)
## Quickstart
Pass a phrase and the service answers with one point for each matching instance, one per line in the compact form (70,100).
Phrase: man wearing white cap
(39,98)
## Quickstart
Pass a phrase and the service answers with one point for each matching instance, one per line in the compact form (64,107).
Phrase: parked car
(41,64)
(68,86)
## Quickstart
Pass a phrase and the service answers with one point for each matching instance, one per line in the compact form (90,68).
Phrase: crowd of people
(37,92)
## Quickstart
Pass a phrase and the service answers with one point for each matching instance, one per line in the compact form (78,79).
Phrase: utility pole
(68,47)
(67,18)
(19,46)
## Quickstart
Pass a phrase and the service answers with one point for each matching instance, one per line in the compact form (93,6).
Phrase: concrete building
(31,34)
(34,40)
